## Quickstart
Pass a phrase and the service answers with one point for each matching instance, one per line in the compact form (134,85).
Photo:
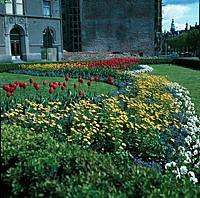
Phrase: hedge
(191,63)
(35,165)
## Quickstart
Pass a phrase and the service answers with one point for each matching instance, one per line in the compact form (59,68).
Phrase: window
(19,7)
(46,8)
(9,6)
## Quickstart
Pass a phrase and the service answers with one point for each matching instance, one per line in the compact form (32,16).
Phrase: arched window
(48,38)
(15,42)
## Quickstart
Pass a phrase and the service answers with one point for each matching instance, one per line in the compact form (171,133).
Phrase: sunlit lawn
(188,78)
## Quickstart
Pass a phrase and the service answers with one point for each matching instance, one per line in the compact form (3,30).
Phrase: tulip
(60,83)
(10,84)
(81,92)
(30,80)
(37,87)
(12,89)
(109,78)
(89,83)
(80,80)
(45,82)
(35,84)
(112,82)
(51,90)
(54,86)
(91,79)
(75,85)
(96,79)
(65,84)
(16,82)
(21,84)
(63,87)
(67,78)
(8,94)
(50,84)
(24,85)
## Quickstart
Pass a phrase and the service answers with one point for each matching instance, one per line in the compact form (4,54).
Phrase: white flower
(194,180)
(183,170)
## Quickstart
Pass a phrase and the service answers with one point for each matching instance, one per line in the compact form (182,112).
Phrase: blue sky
(181,11)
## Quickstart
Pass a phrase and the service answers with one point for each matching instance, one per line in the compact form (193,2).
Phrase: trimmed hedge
(191,63)
(151,61)
(35,165)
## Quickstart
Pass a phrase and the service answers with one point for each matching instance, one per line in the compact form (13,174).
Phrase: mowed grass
(96,87)
(188,78)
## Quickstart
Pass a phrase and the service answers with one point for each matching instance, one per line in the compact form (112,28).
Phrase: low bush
(191,63)
(35,165)
(151,61)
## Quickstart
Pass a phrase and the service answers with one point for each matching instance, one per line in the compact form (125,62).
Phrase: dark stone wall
(118,25)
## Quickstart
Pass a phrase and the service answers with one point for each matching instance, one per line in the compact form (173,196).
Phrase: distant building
(30,30)
(112,25)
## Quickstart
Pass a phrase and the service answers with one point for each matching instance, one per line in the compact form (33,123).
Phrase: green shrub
(191,63)
(151,61)
(36,165)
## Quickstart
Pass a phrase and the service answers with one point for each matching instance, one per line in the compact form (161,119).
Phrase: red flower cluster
(110,80)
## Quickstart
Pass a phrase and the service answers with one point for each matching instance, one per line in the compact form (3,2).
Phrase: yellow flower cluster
(147,110)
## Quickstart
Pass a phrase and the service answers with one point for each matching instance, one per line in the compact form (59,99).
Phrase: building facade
(30,30)
(115,25)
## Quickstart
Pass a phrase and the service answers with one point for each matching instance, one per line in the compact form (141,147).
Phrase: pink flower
(45,82)
(96,79)
(91,79)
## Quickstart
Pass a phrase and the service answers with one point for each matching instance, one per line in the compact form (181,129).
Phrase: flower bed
(147,121)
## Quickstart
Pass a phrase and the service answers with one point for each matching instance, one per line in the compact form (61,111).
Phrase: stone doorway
(15,42)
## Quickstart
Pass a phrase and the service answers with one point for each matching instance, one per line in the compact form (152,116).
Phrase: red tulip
(50,84)
(96,79)
(45,82)
(63,87)
(16,82)
(8,94)
(89,83)
(112,82)
(110,78)
(54,86)
(4,87)
(51,90)
(55,83)
(91,79)
(12,89)
(35,84)
(81,92)
(30,80)
(24,85)
(65,84)
(60,83)
(10,84)
(37,87)
(67,78)
(21,84)
(75,85)
(80,80)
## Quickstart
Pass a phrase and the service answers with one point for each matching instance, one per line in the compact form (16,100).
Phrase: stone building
(30,30)
(112,25)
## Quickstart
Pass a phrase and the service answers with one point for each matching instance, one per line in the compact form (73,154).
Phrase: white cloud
(175,12)
(179,26)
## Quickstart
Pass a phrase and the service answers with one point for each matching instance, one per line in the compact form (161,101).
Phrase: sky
(181,11)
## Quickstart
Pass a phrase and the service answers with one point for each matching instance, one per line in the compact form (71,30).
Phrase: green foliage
(35,165)
(191,63)
(155,61)
(185,42)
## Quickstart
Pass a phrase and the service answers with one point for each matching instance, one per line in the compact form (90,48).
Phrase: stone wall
(118,25)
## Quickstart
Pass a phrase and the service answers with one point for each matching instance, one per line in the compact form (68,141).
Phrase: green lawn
(188,78)
(96,87)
